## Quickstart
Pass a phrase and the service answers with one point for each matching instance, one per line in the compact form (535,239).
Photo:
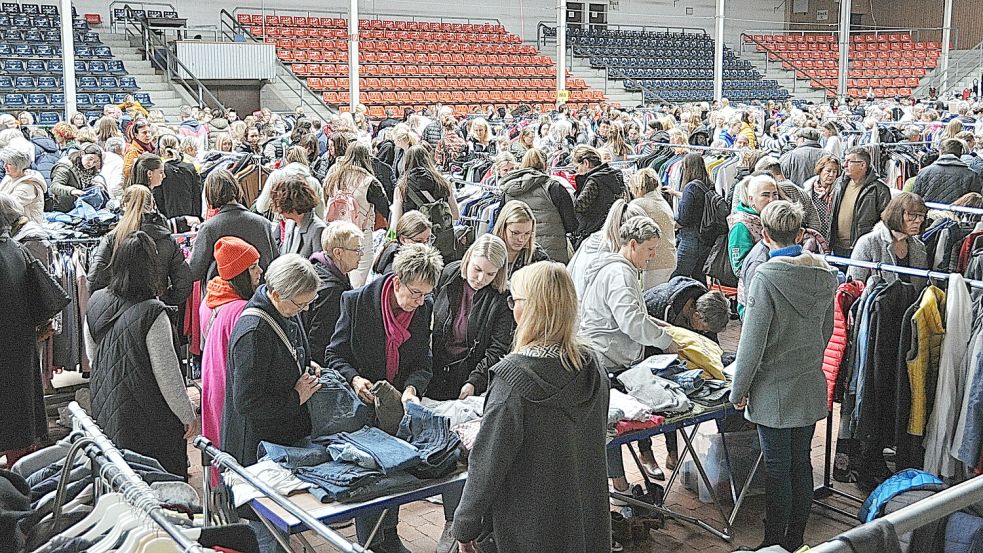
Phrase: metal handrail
(647,28)
(956,70)
(915,32)
(228,20)
(748,38)
(126,4)
(379,15)
(151,43)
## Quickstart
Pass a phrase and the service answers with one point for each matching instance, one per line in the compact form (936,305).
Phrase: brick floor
(421,523)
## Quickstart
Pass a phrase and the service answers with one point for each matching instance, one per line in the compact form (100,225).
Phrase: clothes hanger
(103,505)
(128,519)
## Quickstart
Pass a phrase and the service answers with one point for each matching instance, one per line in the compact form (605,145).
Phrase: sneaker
(618,502)
(447,543)
(616,547)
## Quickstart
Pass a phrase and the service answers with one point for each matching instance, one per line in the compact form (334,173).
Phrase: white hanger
(161,545)
(128,519)
(138,536)
(98,514)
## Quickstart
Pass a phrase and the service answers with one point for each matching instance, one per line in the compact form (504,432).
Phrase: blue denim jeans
(335,407)
(390,453)
(303,455)
(336,481)
(788,496)
(439,448)
(691,255)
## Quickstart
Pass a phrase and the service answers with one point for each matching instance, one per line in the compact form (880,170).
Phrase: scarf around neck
(83,175)
(397,326)
(219,292)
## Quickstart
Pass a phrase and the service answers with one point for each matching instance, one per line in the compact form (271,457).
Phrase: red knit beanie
(233,256)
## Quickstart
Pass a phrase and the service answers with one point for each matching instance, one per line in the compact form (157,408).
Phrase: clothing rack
(916,515)
(827,490)
(212,455)
(956,208)
(118,475)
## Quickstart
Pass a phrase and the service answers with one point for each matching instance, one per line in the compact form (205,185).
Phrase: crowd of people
(351,261)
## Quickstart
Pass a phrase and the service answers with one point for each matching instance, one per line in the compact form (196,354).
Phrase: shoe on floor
(653,471)
(341,525)
(671,463)
(616,547)
(447,543)
(618,502)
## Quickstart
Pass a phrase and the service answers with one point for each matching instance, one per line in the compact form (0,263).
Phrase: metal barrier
(124,4)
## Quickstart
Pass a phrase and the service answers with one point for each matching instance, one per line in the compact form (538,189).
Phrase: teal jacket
(740,240)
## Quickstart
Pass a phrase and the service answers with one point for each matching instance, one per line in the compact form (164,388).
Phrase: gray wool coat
(877,246)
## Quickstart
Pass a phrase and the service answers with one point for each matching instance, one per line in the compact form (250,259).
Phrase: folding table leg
(284,541)
(727,533)
(737,498)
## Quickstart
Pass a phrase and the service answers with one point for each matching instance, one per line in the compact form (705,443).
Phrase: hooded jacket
(873,197)
(537,470)
(799,165)
(946,180)
(666,301)
(548,200)
(46,155)
(29,191)
(216,126)
(596,192)
(780,355)
(613,314)
(589,250)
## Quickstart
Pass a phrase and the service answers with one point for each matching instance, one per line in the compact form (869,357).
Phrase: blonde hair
(480,122)
(402,132)
(616,141)
(516,211)
(783,221)
(170,147)
(137,200)
(492,248)
(534,159)
(644,181)
(501,160)
(620,212)
(338,234)
(549,314)
(223,139)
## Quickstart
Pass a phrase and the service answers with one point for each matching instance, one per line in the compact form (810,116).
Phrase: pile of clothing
(94,215)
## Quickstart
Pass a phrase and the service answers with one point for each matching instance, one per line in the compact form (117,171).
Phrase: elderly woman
(536,469)
(412,227)
(23,183)
(71,176)
(645,189)
(381,346)
(778,370)
(516,226)
(549,200)
(299,230)
(820,190)
(138,393)
(895,240)
(341,253)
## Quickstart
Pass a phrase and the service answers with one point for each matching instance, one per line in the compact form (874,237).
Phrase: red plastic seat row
(400,25)
(470,97)
(438,83)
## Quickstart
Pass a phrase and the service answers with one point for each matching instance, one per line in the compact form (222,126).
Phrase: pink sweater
(213,364)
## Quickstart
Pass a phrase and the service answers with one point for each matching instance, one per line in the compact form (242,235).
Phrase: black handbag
(46,297)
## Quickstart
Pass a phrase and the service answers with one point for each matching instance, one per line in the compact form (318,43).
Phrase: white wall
(519,16)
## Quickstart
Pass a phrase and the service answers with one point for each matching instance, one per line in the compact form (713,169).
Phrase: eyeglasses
(416,294)
(511,301)
(358,250)
(301,306)
(914,216)
(854,161)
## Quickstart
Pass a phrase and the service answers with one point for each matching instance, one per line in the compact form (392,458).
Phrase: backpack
(439,214)
(342,206)
(718,265)
(715,211)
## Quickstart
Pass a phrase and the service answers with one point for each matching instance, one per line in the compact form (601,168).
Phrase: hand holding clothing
(409,394)
(306,386)
(466,391)
(363,389)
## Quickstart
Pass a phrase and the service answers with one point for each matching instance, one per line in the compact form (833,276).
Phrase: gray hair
(418,263)
(7,136)
(640,228)
(10,211)
(115,144)
(714,309)
(339,234)
(808,133)
(559,131)
(783,220)
(291,275)
(15,157)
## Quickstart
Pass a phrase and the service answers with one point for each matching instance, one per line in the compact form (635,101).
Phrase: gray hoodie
(780,355)
(613,316)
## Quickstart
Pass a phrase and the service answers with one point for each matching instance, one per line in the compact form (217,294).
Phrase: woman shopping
(516,226)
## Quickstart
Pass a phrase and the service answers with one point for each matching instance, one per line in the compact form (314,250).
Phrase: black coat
(323,316)
(180,193)
(358,346)
(22,394)
(174,273)
(383,263)
(871,201)
(490,329)
(126,400)
(598,189)
(261,403)
(231,220)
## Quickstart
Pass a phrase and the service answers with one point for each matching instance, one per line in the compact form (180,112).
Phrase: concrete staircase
(166,96)
(595,78)
(964,66)
(283,95)
(798,88)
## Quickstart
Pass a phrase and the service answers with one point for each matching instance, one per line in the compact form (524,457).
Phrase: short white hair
(15,157)
(291,275)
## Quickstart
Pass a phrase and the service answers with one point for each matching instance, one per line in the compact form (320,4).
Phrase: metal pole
(946,37)
(353,55)
(846,7)
(718,52)
(68,55)
(561,48)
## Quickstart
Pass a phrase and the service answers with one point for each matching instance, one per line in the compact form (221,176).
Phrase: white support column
(946,38)
(846,7)
(353,55)
(68,55)
(561,47)
(718,51)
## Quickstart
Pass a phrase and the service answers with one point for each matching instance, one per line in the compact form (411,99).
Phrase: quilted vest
(846,294)
(126,400)
(532,187)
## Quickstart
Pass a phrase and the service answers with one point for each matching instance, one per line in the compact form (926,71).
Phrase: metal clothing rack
(827,490)
(916,515)
(117,473)
(956,208)
(212,455)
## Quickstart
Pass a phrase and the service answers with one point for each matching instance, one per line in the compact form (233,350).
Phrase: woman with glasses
(71,176)
(548,199)
(412,227)
(516,226)
(341,254)
(381,345)
(895,240)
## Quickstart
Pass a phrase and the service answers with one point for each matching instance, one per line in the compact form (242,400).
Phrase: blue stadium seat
(32,9)
(102,52)
(48,83)
(23,50)
(48,118)
(92,115)
(128,83)
(41,22)
(97,67)
(115,67)
(108,83)
(88,83)
(22,21)
(14,101)
(83,52)
(90,38)
(83,100)
(11,7)
(35,66)
(80,25)
(119,97)
(13,35)
(37,100)
(13,66)
(56,66)
(49,9)
(4,20)
(46,51)
(24,83)
(33,35)
(51,35)
(143,98)
(81,66)
(6,83)
(102,99)
(57,99)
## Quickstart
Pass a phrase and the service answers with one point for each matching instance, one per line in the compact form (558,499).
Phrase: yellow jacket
(923,360)
(698,351)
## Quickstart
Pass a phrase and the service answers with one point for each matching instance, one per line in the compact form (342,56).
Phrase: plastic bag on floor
(743,449)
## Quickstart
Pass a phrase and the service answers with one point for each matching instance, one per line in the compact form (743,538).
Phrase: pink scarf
(397,326)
